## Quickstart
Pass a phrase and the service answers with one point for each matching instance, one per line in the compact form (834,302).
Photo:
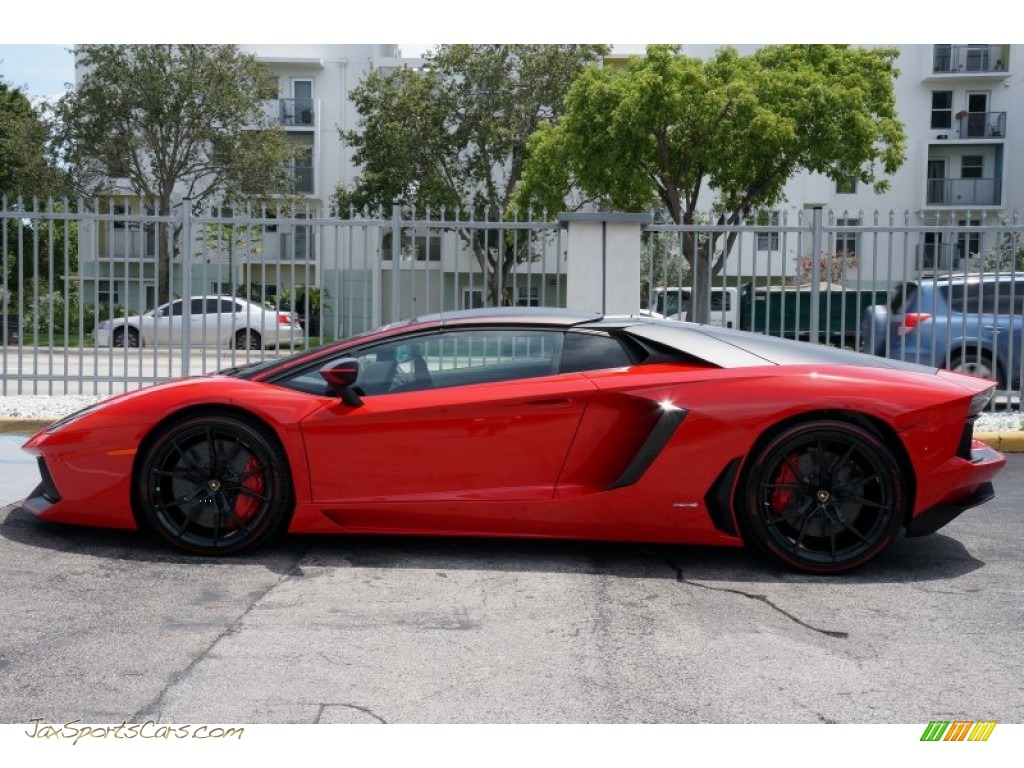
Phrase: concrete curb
(23,426)
(1006,442)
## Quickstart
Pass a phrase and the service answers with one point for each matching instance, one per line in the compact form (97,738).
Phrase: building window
(971,166)
(303,170)
(968,243)
(942,109)
(108,293)
(528,297)
(846,186)
(846,242)
(472,298)
(768,241)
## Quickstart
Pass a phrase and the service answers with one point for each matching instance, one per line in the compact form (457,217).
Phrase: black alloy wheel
(215,485)
(823,497)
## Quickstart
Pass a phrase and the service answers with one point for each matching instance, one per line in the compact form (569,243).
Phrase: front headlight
(103,326)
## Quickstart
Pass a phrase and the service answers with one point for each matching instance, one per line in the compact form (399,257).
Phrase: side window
(176,309)
(458,358)
(449,359)
(225,306)
(584,351)
(956,297)
(1003,298)
(198,307)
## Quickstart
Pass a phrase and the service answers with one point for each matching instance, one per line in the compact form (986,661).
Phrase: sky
(41,65)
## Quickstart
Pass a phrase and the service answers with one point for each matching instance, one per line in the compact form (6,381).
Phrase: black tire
(977,364)
(126,338)
(215,484)
(248,339)
(823,497)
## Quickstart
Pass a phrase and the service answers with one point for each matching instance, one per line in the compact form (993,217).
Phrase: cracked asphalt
(109,626)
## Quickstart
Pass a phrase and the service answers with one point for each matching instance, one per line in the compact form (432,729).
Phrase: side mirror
(340,377)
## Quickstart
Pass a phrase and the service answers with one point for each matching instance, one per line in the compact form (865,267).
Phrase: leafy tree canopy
(186,119)
(659,131)
(26,168)
(454,133)
(173,121)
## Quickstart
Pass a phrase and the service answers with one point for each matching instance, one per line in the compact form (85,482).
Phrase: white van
(673,303)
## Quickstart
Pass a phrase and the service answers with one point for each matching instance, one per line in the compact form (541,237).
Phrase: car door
(473,416)
(166,324)
(212,321)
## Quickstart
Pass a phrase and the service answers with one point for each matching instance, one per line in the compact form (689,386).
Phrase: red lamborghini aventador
(541,423)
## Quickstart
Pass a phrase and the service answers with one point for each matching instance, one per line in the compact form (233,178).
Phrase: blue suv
(968,322)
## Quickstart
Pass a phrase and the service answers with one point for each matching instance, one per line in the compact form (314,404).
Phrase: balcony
(296,113)
(970,59)
(982,125)
(963,192)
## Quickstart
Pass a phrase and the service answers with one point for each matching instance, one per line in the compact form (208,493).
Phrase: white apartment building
(962,105)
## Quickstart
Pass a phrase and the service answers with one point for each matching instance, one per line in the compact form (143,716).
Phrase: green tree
(453,134)
(27,169)
(173,122)
(660,131)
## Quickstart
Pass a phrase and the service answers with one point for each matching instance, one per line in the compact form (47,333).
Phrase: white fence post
(603,261)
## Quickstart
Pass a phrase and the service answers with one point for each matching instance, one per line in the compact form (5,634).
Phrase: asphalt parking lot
(107,626)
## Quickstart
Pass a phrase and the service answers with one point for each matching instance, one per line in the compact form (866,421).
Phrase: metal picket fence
(73,271)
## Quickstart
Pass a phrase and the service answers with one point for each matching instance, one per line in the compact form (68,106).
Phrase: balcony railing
(983,125)
(296,112)
(962,192)
(950,59)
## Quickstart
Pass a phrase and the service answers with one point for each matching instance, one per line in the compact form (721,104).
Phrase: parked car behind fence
(965,322)
(221,321)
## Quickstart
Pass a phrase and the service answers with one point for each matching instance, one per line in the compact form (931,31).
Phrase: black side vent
(963,450)
(47,488)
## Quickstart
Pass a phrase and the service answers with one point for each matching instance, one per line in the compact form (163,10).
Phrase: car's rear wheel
(976,364)
(215,485)
(823,496)
(248,339)
(125,337)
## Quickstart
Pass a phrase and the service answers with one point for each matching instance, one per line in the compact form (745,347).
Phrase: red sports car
(535,423)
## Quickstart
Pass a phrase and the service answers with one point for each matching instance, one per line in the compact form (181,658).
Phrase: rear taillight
(284,318)
(911,321)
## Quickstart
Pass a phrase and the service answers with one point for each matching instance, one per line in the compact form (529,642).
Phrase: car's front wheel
(215,484)
(823,496)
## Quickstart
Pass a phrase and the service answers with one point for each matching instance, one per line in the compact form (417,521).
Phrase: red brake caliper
(246,505)
(782,497)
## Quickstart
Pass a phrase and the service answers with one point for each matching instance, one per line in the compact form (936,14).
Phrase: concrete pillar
(603,261)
